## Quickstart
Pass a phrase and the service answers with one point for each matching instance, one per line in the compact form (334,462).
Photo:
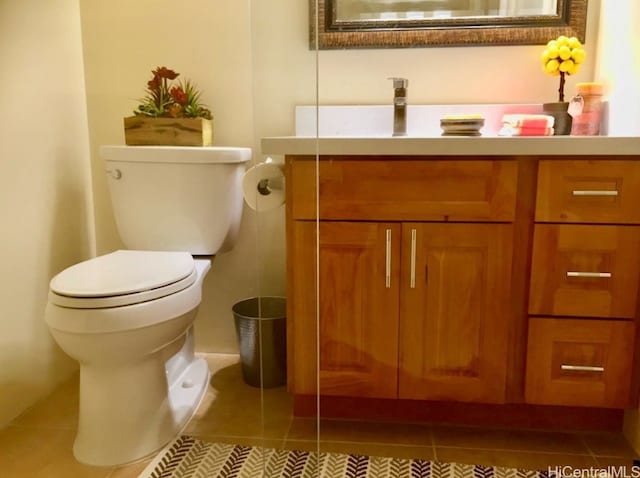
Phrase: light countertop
(454,146)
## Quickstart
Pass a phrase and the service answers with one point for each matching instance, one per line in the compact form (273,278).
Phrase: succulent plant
(167,101)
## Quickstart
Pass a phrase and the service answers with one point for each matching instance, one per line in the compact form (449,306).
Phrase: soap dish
(461,125)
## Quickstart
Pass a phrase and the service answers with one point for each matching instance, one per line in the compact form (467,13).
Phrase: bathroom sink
(423,121)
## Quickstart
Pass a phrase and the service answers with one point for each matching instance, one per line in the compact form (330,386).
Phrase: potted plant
(169,114)
(561,57)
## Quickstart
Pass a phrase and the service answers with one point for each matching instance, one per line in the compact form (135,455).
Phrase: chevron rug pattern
(188,457)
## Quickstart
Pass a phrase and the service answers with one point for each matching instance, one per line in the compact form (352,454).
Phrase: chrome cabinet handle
(595,193)
(597,275)
(582,368)
(413,259)
(387,277)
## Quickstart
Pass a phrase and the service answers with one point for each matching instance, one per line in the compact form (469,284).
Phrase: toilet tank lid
(122,272)
(176,154)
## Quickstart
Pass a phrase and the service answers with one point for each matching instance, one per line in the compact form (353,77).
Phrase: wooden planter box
(144,130)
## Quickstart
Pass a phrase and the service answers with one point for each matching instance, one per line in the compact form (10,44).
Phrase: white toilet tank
(175,198)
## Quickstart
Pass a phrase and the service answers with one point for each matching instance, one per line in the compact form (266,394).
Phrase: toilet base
(128,412)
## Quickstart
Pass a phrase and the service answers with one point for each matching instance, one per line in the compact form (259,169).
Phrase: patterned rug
(188,457)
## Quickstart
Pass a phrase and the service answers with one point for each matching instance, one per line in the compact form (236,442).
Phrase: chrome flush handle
(114,173)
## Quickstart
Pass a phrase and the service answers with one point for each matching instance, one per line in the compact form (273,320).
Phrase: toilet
(127,316)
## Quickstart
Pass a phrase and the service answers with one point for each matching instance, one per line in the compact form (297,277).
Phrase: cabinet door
(358,306)
(455,311)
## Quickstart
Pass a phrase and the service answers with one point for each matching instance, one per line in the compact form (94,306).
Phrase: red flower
(154,83)
(164,72)
(178,95)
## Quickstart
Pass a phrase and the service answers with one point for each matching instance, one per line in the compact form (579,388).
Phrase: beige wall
(251,59)
(44,188)
(618,64)
(208,42)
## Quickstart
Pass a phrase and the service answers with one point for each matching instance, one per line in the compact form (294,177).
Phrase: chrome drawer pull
(387,276)
(582,368)
(597,275)
(595,193)
(413,259)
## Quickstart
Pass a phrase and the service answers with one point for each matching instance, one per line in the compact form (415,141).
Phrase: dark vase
(558,110)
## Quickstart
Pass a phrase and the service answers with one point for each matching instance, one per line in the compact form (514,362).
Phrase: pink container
(588,122)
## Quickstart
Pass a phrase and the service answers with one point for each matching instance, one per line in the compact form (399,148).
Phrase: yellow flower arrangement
(563,56)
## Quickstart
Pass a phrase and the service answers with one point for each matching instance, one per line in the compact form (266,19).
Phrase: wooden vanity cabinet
(486,280)
(412,305)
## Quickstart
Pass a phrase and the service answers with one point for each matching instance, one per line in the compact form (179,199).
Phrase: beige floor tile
(539,441)
(370,449)
(130,471)
(233,408)
(42,453)
(361,431)
(240,425)
(244,441)
(60,409)
(231,412)
(512,459)
(609,444)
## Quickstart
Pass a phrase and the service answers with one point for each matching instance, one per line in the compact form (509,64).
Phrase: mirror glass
(384,10)
(417,23)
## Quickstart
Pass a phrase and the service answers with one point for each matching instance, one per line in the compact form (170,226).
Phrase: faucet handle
(399,82)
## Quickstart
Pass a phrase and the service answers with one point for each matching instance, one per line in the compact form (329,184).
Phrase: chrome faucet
(400,106)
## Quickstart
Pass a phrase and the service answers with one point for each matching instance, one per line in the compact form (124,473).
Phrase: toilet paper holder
(263,186)
(266,185)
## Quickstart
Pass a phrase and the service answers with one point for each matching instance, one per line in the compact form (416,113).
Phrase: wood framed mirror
(430,23)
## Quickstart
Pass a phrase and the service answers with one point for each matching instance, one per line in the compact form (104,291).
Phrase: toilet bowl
(127,318)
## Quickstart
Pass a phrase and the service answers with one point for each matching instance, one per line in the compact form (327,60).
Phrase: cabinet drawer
(579,362)
(589,271)
(402,190)
(598,191)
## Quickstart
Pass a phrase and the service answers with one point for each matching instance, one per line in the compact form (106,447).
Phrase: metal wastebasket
(262,317)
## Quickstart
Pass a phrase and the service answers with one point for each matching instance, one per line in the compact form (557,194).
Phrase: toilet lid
(124,273)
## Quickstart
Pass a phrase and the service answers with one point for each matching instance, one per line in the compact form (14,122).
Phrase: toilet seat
(122,278)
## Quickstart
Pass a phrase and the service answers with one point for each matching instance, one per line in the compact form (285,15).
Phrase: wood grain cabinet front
(407,308)
(585,272)
(455,317)
(579,362)
(588,191)
(413,310)
(408,279)
(404,190)
(356,338)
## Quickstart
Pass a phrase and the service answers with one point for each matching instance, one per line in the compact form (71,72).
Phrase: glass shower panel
(358,255)
(283,76)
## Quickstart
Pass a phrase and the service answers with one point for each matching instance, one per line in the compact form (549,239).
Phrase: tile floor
(38,443)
